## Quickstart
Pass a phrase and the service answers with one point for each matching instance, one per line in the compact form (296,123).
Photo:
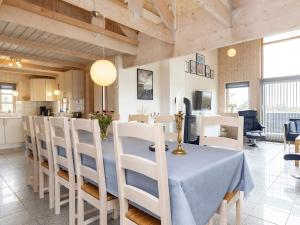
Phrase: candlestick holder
(179,150)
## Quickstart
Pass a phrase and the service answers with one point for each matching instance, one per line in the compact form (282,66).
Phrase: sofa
(291,131)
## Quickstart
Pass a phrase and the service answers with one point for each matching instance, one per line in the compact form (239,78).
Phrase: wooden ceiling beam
(218,10)
(35,67)
(26,71)
(39,58)
(47,48)
(119,13)
(165,13)
(27,14)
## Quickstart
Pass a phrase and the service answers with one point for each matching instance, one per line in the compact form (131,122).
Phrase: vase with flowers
(105,119)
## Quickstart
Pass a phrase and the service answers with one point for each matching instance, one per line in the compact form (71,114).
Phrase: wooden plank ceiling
(64,34)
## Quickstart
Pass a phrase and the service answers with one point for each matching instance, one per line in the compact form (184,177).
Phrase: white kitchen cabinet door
(50,87)
(37,90)
(2,132)
(13,131)
(78,83)
(69,84)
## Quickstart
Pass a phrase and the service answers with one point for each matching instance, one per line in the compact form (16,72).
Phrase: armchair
(291,131)
(253,130)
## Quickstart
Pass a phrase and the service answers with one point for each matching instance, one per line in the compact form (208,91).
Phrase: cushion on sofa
(292,126)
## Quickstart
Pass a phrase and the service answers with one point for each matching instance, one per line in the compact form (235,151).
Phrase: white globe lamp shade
(103,72)
(231,52)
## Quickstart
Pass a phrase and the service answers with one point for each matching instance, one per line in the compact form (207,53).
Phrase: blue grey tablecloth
(198,181)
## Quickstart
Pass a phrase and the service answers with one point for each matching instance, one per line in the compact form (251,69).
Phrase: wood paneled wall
(21,80)
(245,66)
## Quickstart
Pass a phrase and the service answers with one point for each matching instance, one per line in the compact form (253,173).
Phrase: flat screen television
(202,100)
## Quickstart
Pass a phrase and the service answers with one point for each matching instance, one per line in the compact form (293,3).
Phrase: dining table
(198,181)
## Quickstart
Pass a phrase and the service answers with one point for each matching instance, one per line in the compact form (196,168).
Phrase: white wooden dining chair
(236,196)
(46,167)
(64,173)
(141,118)
(91,185)
(157,170)
(114,117)
(31,153)
(167,120)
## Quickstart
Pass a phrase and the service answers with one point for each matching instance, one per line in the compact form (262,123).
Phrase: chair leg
(72,209)
(57,197)
(103,217)
(210,222)
(35,176)
(51,190)
(28,169)
(115,213)
(223,213)
(80,212)
(238,212)
(41,183)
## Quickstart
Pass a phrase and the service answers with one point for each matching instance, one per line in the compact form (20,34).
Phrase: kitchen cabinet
(2,133)
(42,89)
(71,84)
(11,132)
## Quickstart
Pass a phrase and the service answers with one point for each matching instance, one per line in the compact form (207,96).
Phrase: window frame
(233,85)
(12,88)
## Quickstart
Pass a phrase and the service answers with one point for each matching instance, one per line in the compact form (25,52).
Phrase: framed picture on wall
(187,66)
(192,66)
(212,74)
(207,71)
(144,84)
(200,64)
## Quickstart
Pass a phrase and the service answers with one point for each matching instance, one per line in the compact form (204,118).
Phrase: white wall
(184,84)
(170,81)
(128,102)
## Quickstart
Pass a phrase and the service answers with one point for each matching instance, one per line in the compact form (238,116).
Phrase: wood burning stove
(190,124)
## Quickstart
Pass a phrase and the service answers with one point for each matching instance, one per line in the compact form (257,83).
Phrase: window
(7,100)
(237,96)
(281,55)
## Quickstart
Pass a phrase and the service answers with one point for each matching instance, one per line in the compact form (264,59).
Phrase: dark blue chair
(291,131)
(253,130)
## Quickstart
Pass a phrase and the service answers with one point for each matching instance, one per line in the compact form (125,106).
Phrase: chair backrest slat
(140,165)
(89,173)
(87,149)
(142,198)
(29,133)
(61,141)
(129,130)
(92,148)
(43,139)
(141,118)
(224,142)
(157,170)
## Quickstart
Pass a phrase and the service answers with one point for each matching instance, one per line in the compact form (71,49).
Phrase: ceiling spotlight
(10,64)
(56,92)
(231,52)
(49,94)
(19,64)
(15,93)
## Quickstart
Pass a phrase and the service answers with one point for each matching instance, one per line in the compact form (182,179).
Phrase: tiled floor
(275,199)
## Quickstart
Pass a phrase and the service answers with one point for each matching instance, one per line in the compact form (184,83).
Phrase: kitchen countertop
(10,117)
